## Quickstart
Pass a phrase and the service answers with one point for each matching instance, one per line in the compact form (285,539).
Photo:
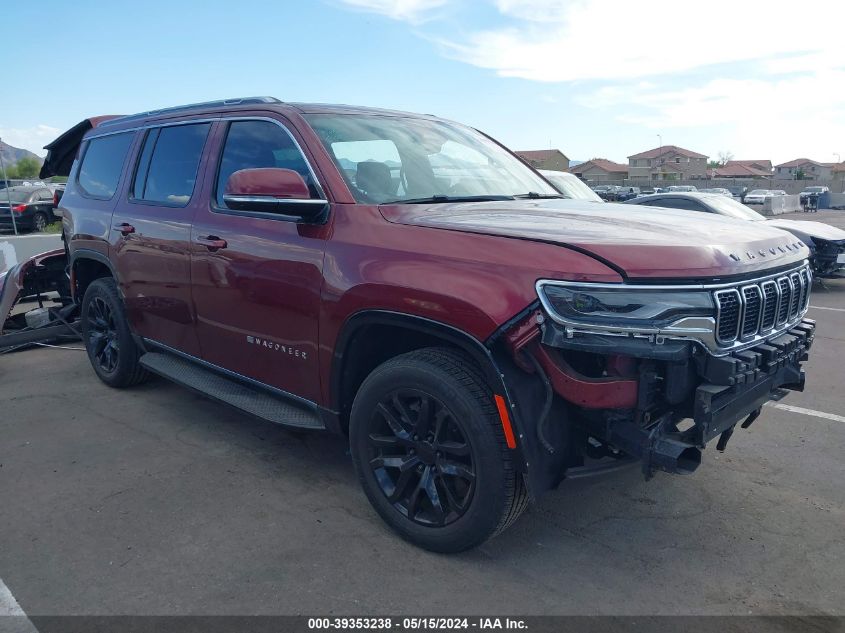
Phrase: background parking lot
(156,501)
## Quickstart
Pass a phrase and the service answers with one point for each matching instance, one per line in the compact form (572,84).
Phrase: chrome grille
(759,308)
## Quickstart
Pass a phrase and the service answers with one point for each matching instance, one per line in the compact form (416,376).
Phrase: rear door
(151,233)
(257,292)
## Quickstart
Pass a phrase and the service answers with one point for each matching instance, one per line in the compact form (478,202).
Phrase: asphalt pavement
(154,500)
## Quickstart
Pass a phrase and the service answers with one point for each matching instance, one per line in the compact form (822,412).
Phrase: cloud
(554,41)
(32,138)
(414,11)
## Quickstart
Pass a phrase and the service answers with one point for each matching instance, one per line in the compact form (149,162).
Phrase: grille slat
(770,294)
(762,307)
(785,299)
(753,298)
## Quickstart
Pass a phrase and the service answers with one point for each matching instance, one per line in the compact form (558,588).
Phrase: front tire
(430,452)
(111,348)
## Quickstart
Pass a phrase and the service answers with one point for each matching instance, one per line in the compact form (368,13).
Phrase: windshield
(17,195)
(403,159)
(759,192)
(728,206)
(570,186)
(816,189)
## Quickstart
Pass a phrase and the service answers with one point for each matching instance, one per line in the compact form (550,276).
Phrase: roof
(738,171)
(666,149)
(763,164)
(798,162)
(839,167)
(539,154)
(603,164)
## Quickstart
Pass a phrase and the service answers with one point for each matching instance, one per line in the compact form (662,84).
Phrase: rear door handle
(211,242)
(124,228)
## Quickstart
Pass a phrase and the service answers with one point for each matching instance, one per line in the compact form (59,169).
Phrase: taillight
(55,198)
(19,208)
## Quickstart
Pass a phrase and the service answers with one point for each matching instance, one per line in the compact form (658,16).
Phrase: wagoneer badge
(276,347)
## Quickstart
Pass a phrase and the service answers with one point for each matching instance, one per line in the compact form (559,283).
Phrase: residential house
(809,169)
(552,159)
(761,165)
(600,170)
(668,162)
(743,170)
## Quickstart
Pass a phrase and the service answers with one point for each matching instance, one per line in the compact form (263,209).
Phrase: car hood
(818,230)
(646,243)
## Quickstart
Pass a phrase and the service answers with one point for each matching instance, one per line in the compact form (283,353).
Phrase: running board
(248,399)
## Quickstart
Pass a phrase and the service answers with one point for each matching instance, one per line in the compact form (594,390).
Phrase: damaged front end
(651,373)
(43,281)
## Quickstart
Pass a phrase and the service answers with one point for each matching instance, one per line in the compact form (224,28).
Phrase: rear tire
(430,452)
(111,348)
(39,222)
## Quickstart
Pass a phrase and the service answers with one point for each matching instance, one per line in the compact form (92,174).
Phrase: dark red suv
(409,282)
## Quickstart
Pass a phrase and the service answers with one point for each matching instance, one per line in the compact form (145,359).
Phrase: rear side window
(254,144)
(168,166)
(678,203)
(101,165)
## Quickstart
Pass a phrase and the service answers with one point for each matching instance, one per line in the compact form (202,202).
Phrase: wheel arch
(355,354)
(86,266)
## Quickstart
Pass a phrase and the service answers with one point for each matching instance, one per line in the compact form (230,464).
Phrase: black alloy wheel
(112,350)
(430,452)
(421,458)
(102,335)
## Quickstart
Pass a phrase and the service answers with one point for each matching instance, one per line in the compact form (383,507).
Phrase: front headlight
(623,306)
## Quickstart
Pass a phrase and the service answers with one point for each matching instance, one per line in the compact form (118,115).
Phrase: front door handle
(125,229)
(211,242)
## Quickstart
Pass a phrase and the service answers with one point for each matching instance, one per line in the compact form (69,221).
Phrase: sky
(760,79)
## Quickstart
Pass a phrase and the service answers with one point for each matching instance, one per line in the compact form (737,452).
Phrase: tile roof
(735,170)
(759,164)
(665,149)
(601,163)
(798,162)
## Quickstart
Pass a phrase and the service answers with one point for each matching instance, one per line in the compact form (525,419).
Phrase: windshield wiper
(440,199)
(533,195)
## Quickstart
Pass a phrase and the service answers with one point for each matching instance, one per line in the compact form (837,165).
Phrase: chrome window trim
(235,117)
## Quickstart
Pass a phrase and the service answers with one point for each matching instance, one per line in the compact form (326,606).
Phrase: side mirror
(272,190)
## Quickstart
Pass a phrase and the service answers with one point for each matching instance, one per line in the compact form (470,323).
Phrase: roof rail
(192,106)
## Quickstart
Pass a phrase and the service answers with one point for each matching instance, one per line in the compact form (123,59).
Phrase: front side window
(168,166)
(102,163)
(406,159)
(257,144)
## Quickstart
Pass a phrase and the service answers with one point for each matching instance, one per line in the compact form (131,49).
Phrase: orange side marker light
(502,406)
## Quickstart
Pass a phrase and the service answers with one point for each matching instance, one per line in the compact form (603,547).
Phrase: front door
(151,229)
(257,276)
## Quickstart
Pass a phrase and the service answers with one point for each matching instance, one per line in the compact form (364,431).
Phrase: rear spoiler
(62,152)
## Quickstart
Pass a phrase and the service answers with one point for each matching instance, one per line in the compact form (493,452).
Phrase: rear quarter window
(99,173)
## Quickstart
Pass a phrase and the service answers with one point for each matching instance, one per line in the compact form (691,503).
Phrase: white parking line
(831,309)
(9,608)
(803,411)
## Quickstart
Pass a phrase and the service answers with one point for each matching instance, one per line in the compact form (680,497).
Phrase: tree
(725,158)
(800,175)
(27,167)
